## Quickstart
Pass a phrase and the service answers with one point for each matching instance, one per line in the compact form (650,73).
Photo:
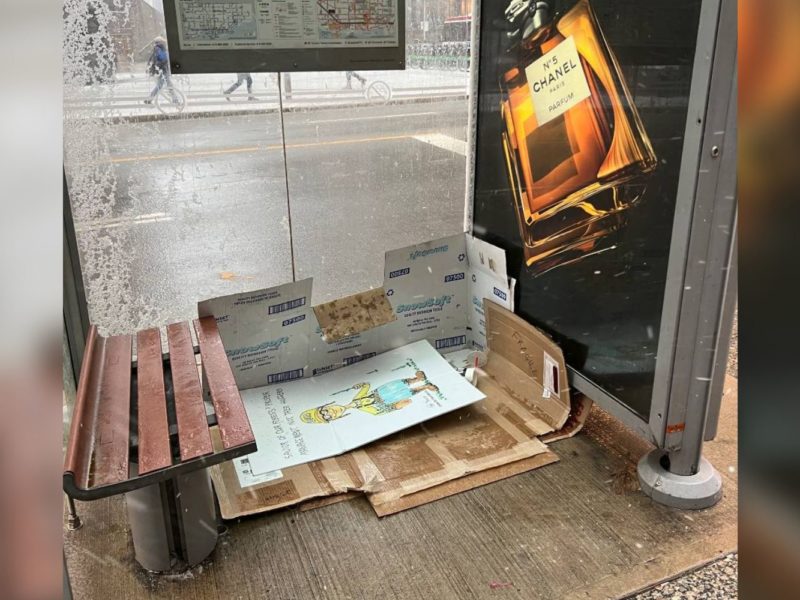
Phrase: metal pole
(173,523)
(678,475)
(73,520)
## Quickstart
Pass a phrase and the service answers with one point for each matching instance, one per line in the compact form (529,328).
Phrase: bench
(140,428)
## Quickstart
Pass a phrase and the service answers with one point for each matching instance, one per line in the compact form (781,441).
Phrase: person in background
(241,78)
(158,65)
(350,75)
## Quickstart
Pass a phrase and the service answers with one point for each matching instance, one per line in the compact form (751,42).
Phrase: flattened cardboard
(580,406)
(517,355)
(466,441)
(487,441)
(317,479)
(315,503)
(462,484)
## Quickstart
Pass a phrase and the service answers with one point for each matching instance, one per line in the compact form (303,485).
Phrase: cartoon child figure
(383,400)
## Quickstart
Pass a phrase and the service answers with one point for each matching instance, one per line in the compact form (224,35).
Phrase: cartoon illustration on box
(384,399)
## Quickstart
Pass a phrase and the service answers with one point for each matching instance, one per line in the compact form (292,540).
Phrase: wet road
(198,207)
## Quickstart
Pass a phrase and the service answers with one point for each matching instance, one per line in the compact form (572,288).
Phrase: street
(199,206)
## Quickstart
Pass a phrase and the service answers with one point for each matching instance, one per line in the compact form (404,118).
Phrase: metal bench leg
(73,520)
(173,523)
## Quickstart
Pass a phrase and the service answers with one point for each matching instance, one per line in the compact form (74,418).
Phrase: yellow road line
(148,157)
(246,149)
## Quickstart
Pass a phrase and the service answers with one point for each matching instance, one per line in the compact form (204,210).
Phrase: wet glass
(176,200)
(376,160)
(178,184)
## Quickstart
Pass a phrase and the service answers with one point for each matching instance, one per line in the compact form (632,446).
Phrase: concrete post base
(701,490)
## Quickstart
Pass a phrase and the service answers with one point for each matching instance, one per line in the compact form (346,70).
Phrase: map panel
(354,19)
(218,20)
(232,24)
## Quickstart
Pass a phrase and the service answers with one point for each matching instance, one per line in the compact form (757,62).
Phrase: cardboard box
(527,404)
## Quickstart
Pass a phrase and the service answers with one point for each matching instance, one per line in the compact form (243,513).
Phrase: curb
(255,111)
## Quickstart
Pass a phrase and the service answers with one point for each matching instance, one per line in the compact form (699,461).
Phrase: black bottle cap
(524,17)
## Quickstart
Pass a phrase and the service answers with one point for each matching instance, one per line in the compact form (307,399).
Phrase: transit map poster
(247,36)
(230,24)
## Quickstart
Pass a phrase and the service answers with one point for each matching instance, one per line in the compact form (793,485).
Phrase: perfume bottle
(575,148)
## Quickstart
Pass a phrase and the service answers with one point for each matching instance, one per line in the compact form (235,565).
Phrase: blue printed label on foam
(416,253)
(293,320)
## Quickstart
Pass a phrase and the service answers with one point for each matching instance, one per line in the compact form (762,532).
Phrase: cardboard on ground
(500,436)
(438,292)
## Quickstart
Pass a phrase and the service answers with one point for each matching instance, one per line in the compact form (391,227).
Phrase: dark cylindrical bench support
(173,522)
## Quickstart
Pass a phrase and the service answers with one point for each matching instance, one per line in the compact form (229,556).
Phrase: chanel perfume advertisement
(581,119)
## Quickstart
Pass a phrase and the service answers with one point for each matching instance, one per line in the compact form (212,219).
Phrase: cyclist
(158,65)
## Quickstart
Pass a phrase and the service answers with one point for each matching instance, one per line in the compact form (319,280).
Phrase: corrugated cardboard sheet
(495,438)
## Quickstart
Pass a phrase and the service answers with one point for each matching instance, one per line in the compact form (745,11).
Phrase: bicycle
(170,99)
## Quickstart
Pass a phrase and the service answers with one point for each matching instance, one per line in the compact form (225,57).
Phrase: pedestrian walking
(350,75)
(158,65)
(240,79)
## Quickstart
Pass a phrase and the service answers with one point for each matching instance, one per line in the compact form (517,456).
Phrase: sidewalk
(204,92)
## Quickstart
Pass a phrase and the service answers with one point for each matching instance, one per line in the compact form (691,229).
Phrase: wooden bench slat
(112,435)
(77,459)
(234,426)
(193,435)
(153,427)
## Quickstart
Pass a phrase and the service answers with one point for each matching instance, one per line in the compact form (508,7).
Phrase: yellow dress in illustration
(383,400)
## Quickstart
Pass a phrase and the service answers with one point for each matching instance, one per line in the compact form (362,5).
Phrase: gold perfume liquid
(570,132)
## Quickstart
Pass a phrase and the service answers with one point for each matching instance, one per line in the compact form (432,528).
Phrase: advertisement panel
(582,110)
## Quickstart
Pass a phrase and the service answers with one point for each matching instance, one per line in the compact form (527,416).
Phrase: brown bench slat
(234,426)
(77,459)
(193,435)
(113,413)
(153,427)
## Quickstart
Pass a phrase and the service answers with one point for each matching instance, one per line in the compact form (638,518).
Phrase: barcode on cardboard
(457,340)
(288,305)
(350,360)
(285,376)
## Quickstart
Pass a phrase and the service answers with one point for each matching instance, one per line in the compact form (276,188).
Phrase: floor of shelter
(578,528)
